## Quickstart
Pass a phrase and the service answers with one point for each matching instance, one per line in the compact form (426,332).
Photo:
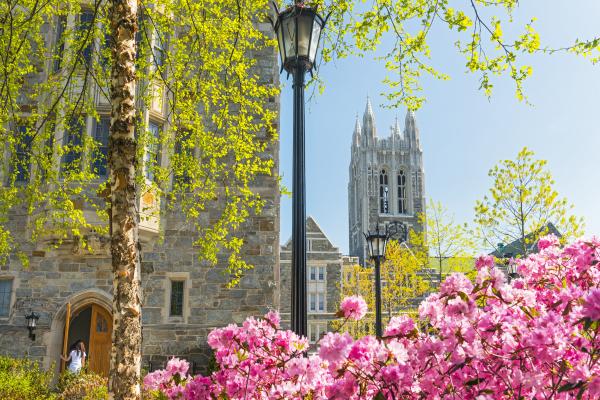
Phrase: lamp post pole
(299,311)
(378,328)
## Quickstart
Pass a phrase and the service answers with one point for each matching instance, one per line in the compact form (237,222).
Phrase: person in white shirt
(76,358)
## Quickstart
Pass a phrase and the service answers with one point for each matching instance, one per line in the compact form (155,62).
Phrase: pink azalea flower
(547,241)
(484,261)
(591,305)
(334,347)
(399,326)
(273,317)
(177,366)
(353,307)
(456,283)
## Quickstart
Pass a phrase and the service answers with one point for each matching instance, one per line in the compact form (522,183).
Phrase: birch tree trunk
(125,368)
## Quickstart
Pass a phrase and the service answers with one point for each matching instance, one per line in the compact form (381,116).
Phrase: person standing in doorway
(76,358)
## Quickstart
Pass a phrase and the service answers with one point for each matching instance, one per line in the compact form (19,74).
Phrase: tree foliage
(522,203)
(400,32)
(450,244)
(196,60)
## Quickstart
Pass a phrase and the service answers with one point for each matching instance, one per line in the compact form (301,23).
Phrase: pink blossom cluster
(353,307)
(536,337)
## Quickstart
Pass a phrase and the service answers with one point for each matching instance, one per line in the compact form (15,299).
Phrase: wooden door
(100,341)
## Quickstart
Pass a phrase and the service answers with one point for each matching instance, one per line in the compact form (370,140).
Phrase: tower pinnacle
(357,132)
(369,120)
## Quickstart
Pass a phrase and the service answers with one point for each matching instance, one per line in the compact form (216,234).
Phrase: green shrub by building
(22,379)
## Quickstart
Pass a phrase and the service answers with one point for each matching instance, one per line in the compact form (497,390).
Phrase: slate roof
(514,248)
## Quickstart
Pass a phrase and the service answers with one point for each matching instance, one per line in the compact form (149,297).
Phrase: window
(101,132)
(313,273)
(5,294)
(317,288)
(316,301)
(312,297)
(159,50)
(72,145)
(383,192)
(402,209)
(101,324)
(60,43)
(176,308)
(86,24)
(22,156)
(317,273)
(153,150)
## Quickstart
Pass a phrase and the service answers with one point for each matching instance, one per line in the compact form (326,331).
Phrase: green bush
(24,380)
(82,386)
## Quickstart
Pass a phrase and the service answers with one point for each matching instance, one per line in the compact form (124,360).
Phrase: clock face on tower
(397,231)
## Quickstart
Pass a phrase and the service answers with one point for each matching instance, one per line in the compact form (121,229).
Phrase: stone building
(324,265)
(386,178)
(183,298)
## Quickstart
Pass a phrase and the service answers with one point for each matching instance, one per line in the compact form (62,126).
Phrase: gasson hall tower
(387,181)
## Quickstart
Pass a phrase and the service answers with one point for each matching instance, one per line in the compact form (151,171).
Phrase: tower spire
(411,130)
(357,132)
(369,120)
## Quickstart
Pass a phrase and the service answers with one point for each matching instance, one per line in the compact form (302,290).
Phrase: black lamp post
(376,246)
(31,324)
(298,29)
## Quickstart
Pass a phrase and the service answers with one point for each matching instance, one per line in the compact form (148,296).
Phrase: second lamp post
(298,29)
(376,247)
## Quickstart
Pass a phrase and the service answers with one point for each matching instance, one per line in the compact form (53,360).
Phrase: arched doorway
(92,324)
(54,339)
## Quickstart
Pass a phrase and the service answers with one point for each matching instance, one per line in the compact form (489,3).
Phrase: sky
(463,133)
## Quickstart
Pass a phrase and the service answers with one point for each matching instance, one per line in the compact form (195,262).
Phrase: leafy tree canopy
(521,205)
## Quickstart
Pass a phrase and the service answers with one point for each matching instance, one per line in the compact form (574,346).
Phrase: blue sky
(463,134)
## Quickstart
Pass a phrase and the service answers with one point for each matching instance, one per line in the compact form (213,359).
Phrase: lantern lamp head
(298,29)
(32,324)
(376,243)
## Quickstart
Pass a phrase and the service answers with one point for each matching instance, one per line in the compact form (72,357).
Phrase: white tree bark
(125,369)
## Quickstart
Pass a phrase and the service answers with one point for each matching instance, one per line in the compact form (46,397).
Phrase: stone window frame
(13,290)
(170,277)
(383,191)
(402,190)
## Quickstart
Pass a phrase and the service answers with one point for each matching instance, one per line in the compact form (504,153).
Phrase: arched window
(383,192)
(402,209)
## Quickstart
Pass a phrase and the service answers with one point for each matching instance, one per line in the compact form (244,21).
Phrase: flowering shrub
(534,338)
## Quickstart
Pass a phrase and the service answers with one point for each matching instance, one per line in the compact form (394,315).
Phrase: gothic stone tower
(387,181)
